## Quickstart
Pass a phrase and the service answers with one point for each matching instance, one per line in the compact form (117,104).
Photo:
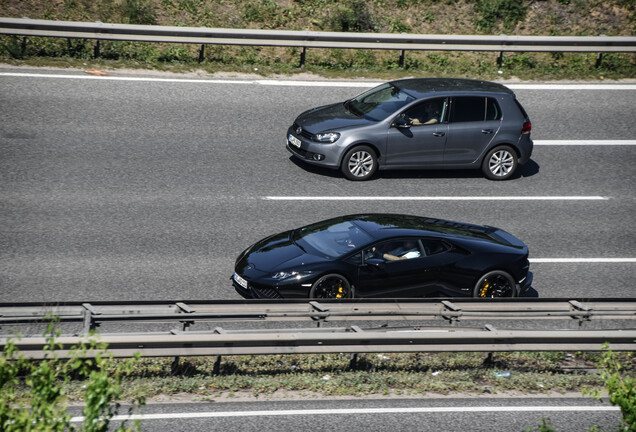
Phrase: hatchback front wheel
(359,163)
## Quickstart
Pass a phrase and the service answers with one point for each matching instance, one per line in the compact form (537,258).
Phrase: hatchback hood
(330,118)
(278,253)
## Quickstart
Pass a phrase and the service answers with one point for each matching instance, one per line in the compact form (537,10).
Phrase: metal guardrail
(409,337)
(312,39)
(353,340)
(452,311)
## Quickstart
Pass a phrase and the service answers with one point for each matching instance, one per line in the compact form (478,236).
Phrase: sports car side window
(355,259)
(394,250)
(434,246)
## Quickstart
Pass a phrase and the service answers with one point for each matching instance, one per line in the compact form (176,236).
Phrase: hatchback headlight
(326,137)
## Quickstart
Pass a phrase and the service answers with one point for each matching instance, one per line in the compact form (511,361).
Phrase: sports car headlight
(326,137)
(289,274)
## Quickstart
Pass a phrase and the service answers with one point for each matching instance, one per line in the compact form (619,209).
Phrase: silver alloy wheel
(501,163)
(361,163)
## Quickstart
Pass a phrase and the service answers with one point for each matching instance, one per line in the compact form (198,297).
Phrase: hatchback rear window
(468,109)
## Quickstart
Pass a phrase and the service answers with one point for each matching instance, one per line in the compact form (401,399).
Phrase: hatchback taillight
(526,128)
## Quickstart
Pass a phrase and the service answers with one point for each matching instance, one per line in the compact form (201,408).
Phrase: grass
(386,375)
(549,17)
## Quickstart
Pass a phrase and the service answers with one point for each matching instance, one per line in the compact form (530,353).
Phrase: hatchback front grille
(298,151)
(303,132)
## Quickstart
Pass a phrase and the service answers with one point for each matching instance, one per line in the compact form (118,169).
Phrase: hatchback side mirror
(402,123)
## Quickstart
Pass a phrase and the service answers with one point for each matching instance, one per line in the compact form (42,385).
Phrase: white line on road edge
(585,142)
(434,198)
(298,83)
(582,260)
(345,411)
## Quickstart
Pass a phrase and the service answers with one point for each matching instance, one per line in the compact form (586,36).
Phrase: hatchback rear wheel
(359,163)
(500,163)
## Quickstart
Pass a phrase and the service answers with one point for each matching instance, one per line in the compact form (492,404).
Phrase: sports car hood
(276,253)
(330,118)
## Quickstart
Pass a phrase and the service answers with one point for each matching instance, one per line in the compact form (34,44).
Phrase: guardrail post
(500,59)
(23,46)
(96,49)
(599,60)
(302,57)
(89,322)
(201,53)
(401,62)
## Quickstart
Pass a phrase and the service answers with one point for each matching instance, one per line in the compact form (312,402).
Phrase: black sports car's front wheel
(331,286)
(495,284)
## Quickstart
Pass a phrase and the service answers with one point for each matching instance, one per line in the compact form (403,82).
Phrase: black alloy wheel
(331,286)
(495,284)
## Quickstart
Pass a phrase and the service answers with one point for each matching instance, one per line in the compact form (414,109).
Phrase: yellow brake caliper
(340,292)
(484,289)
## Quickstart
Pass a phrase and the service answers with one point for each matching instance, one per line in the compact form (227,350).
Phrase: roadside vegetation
(39,392)
(537,17)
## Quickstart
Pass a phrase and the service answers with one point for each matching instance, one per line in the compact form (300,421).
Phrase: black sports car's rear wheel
(331,286)
(495,284)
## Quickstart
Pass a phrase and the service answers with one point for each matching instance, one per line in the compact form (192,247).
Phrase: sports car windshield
(378,103)
(332,238)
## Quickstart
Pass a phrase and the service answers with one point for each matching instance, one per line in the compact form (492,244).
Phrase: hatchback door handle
(438,134)
(486,131)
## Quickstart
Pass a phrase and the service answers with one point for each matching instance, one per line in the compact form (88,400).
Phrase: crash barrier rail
(310,39)
(182,341)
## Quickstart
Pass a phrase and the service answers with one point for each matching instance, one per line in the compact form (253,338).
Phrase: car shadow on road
(531,293)
(529,169)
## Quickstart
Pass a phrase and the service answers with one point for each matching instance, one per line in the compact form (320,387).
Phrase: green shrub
(492,11)
(46,380)
(619,385)
(138,12)
(353,16)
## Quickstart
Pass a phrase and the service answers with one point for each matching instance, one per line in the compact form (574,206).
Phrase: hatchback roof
(422,86)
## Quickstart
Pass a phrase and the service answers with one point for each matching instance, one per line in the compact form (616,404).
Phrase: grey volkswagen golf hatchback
(417,123)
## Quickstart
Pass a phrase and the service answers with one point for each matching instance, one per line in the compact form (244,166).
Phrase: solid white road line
(434,198)
(582,260)
(298,83)
(350,411)
(584,142)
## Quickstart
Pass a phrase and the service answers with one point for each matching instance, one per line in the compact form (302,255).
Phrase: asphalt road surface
(485,414)
(147,189)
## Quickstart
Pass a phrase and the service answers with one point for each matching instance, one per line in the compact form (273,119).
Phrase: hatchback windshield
(378,103)
(332,238)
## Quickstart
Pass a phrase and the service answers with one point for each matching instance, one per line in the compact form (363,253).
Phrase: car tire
(359,163)
(493,284)
(500,163)
(331,286)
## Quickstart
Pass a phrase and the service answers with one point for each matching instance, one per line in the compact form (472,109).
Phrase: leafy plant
(46,380)
(492,11)
(138,12)
(353,16)
(621,387)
